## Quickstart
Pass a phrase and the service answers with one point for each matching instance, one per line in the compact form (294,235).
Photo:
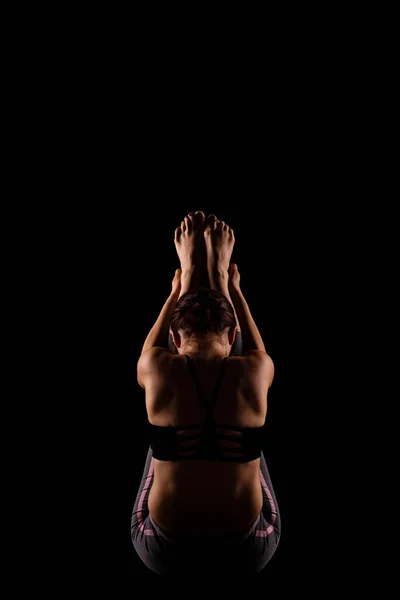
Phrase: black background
(118,151)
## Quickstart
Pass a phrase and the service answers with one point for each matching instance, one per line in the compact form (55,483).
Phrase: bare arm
(155,347)
(253,345)
(158,335)
(251,337)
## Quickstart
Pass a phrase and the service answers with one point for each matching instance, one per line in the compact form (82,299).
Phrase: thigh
(262,543)
(140,509)
(152,546)
(270,509)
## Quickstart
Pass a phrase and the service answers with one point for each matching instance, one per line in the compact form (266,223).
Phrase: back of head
(202,311)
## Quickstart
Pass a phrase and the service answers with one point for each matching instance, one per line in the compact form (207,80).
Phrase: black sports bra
(208,440)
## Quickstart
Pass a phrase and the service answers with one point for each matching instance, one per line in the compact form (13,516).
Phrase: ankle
(218,275)
(188,271)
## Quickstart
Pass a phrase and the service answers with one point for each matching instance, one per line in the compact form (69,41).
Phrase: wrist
(174,295)
(234,289)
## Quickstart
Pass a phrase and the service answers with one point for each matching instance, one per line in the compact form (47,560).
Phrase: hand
(234,277)
(176,282)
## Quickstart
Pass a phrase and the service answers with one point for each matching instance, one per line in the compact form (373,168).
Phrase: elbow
(139,373)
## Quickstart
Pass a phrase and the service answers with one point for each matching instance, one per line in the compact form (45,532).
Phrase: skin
(171,398)
(219,242)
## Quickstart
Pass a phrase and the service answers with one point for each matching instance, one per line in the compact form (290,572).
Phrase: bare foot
(220,239)
(189,244)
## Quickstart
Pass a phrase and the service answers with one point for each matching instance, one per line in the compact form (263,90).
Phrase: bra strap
(192,370)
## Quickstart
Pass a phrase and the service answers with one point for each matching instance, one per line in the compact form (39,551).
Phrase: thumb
(233,269)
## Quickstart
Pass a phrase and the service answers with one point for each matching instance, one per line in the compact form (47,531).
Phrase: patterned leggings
(238,554)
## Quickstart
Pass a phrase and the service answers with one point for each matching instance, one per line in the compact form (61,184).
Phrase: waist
(203,497)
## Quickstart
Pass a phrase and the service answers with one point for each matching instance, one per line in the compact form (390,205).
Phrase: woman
(206,502)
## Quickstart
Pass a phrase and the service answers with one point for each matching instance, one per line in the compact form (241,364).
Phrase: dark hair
(202,310)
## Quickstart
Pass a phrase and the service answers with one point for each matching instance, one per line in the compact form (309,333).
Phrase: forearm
(158,335)
(251,337)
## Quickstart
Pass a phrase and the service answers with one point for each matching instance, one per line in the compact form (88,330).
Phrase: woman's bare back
(203,497)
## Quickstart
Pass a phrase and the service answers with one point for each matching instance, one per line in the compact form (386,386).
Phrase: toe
(209,223)
(178,233)
(211,220)
(199,218)
(189,223)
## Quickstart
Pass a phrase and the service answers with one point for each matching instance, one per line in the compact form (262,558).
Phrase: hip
(181,510)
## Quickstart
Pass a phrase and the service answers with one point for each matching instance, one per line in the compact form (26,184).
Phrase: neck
(205,349)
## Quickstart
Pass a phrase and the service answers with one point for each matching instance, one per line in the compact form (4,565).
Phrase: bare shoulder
(259,357)
(256,363)
(154,361)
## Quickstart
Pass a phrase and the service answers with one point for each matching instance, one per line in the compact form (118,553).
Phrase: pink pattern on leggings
(140,506)
(270,529)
